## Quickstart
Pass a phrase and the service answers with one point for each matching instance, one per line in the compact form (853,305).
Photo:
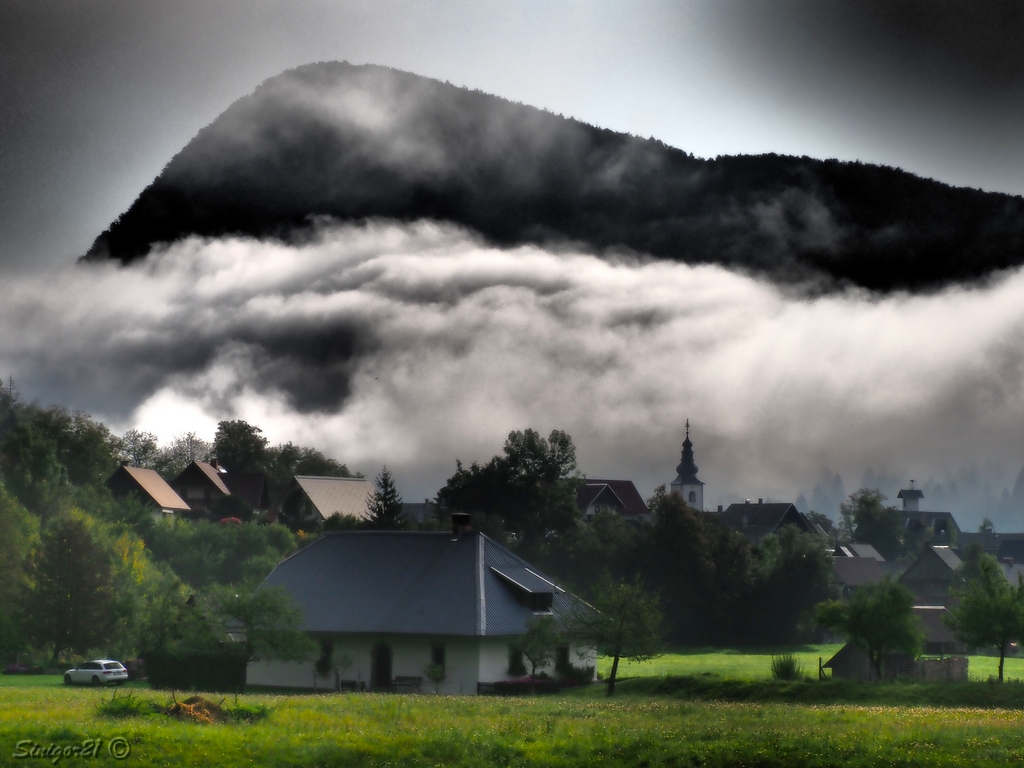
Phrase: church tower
(686,483)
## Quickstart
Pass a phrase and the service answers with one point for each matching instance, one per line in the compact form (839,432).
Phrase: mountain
(352,142)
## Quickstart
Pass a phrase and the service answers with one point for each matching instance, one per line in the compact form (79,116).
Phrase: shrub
(786,667)
(247,713)
(124,706)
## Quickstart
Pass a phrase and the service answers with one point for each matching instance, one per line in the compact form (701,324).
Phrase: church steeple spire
(686,483)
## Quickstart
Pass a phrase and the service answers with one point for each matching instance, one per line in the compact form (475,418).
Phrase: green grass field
(755,663)
(717,707)
(572,729)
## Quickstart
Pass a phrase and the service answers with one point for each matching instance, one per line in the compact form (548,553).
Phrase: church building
(686,483)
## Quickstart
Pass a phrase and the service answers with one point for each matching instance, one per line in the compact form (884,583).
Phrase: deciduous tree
(988,610)
(531,487)
(240,446)
(70,607)
(539,642)
(624,623)
(266,622)
(872,522)
(878,619)
(139,449)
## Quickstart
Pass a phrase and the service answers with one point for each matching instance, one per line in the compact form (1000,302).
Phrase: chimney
(747,501)
(460,523)
(125,462)
(214,462)
(719,507)
(760,500)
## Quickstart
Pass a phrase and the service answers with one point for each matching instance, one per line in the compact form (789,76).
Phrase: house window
(693,496)
(516,667)
(437,655)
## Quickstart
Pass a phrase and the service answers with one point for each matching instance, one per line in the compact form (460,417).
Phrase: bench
(406,684)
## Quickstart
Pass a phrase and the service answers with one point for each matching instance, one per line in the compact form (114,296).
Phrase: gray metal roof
(420,583)
(525,579)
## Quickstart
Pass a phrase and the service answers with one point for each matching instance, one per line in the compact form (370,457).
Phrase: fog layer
(418,344)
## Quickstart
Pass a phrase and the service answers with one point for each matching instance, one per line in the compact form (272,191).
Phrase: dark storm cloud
(416,344)
(970,49)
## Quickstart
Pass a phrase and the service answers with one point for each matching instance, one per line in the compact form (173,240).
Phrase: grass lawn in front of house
(569,729)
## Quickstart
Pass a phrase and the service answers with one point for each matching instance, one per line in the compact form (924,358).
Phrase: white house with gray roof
(394,602)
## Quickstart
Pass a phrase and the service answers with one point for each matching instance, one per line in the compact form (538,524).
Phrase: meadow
(694,716)
(577,728)
(755,663)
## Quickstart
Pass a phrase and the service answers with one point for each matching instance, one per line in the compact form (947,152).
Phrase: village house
(851,663)
(148,487)
(383,605)
(850,573)
(201,484)
(755,521)
(930,577)
(619,496)
(312,500)
(936,527)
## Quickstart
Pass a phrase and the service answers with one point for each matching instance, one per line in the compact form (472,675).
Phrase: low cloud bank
(416,344)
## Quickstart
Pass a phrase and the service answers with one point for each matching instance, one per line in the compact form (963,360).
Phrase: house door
(380,666)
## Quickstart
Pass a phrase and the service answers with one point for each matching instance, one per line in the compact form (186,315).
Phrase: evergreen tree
(385,504)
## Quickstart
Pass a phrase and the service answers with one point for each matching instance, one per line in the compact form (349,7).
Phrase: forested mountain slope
(353,142)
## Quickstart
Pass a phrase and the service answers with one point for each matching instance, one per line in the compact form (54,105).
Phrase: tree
(539,642)
(989,611)
(70,607)
(32,472)
(287,460)
(437,674)
(240,446)
(267,623)
(18,529)
(180,452)
(878,619)
(139,449)
(531,488)
(385,504)
(701,570)
(624,623)
(869,520)
(792,573)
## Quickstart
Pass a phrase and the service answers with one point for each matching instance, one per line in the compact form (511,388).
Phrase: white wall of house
(468,660)
(410,655)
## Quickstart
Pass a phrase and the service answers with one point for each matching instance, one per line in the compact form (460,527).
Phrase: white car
(98,672)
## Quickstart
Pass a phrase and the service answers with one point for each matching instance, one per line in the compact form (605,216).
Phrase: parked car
(97,672)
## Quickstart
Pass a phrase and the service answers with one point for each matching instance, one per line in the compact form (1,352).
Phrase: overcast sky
(97,96)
